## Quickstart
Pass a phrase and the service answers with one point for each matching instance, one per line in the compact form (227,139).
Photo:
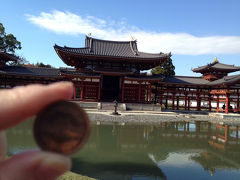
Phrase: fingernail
(53,165)
(66,87)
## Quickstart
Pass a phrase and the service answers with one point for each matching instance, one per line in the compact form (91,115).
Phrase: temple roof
(73,72)
(118,49)
(30,71)
(56,73)
(217,66)
(43,72)
(226,80)
(145,77)
(186,80)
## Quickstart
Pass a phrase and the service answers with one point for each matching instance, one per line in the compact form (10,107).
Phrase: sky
(195,32)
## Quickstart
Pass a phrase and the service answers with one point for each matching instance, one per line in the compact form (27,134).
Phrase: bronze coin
(61,127)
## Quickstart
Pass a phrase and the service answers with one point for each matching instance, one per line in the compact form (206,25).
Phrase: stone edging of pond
(146,117)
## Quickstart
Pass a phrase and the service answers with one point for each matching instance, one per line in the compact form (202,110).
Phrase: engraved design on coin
(62,127)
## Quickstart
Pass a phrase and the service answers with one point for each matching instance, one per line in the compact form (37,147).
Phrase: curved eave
(207,69)
(225,83)
(79,56)
(113,72)
(31,75)
(80,76)
(143,79)
(185,84)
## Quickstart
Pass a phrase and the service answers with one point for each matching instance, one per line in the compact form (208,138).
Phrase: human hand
(18,104)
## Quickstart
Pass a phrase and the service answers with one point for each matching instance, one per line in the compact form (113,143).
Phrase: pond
(170,150)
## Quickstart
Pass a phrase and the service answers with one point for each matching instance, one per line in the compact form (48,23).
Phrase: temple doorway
(110,88)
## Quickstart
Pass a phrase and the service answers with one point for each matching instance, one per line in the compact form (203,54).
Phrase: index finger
(21,102)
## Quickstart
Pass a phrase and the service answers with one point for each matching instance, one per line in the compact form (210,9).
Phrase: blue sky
(194,31)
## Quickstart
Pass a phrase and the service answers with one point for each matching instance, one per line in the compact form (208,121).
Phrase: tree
(20,62)
(166,68)
(8,42)
(43,65)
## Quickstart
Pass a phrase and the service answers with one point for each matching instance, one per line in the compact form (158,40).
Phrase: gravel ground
(152,117)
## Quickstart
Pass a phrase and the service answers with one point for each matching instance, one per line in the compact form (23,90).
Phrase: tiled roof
(112,71)
(122,49)
(41,72)
(145,77)
(51,72)
(226,80)
(30,71)
(217,66)
(75,73)
(185,80)
(190,80)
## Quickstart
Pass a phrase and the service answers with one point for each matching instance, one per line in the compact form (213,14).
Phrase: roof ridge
(200,77)
(67,47)
(155,53)
(36,67)
(104,40)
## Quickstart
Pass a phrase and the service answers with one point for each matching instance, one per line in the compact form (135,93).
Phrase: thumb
(34,165)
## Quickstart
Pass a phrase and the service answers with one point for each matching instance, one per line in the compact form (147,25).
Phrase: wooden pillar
(238,99)
(150,93)
(123,89)
(82,90)
(99,89)
(209,103)
(198,102)
(227,104)
(189,100)
(217,103)
(160,98)
(177,102)
(156,93)
(166,104)
(173,101)
(185,105)
(147,92)
(74,92)
(139,91)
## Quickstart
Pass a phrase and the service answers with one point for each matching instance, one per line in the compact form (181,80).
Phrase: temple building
(111,70)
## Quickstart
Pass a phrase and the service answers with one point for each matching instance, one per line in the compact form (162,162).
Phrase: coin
(61,127)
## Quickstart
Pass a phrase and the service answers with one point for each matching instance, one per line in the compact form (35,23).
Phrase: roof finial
(133,38)
(215,60)
(90,34)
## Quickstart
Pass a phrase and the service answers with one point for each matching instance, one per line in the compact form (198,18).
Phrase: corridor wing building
(111,70)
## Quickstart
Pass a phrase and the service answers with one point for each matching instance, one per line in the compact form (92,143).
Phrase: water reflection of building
(122,152)
(130,144)
(224,150)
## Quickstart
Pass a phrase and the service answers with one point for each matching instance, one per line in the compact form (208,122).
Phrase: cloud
(178,43)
